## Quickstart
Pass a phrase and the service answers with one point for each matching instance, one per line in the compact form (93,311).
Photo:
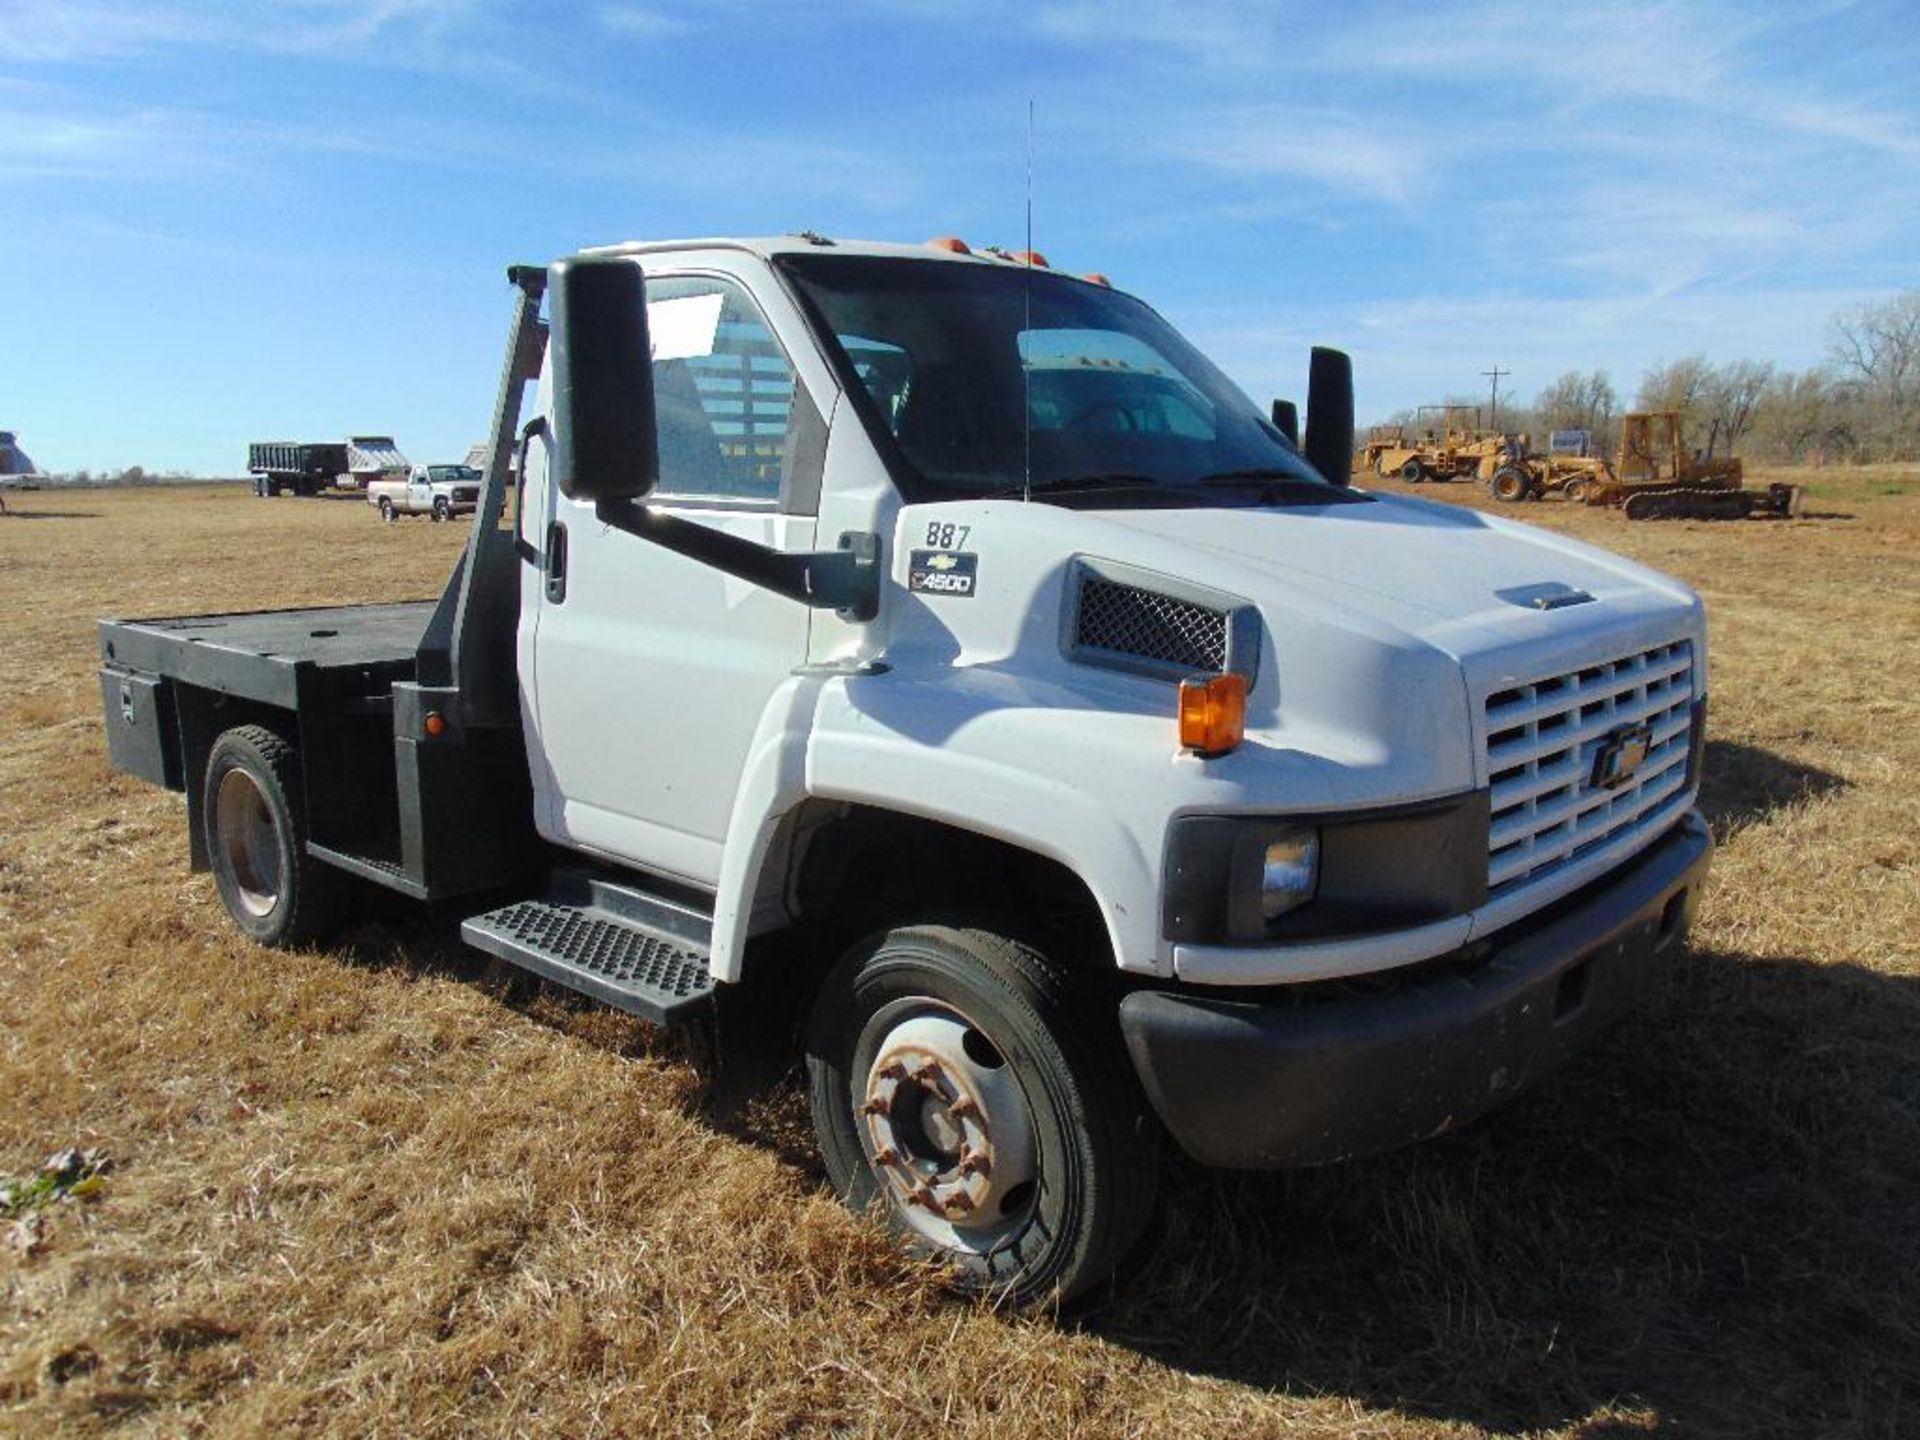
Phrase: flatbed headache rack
(406,714)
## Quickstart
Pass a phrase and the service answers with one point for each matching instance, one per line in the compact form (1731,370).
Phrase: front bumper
(1304,1080)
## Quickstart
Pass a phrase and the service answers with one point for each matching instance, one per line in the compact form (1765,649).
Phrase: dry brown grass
(374,1191)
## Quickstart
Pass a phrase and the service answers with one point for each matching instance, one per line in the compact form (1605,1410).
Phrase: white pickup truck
(442,491)
(936,652)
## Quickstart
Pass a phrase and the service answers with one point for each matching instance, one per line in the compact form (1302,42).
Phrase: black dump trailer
(303,468)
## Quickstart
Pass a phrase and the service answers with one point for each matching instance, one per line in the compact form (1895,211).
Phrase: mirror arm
(846,580)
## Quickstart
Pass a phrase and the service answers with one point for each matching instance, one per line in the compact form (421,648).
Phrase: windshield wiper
(1068,484)
(1284,487)
(1255,477)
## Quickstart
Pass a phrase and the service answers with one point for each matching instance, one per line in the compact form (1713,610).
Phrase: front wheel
(1577,491)
(1413,472)
(958,1091)
(441,510)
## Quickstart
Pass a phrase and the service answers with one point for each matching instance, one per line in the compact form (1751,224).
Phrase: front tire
(442,510)
(958,1090)
(257,841)
(1413,472)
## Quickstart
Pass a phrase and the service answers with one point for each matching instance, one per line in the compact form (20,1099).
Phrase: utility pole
(1494,375)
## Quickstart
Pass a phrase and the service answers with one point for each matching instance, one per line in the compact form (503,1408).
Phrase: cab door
(651,670)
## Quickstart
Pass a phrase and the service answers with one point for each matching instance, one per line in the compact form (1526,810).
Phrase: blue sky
(225,221)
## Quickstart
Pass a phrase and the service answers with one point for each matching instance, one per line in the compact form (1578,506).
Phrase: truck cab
(941,644)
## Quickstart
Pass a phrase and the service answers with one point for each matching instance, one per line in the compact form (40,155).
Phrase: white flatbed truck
(942,644)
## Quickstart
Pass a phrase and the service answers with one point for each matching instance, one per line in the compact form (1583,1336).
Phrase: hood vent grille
(1153,624)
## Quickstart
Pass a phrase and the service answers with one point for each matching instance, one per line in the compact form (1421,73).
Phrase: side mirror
(1329,447)
(1286,419)
(605,444)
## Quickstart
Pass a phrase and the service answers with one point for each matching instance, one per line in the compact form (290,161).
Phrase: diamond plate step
(598,954)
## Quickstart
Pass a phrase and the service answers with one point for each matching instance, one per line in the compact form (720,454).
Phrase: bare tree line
(1863,404)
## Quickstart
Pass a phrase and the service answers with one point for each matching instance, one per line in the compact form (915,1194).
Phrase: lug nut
(874,1106)
(926,1074)
(974,1163)
(893,1070)
(885,1155)
(958,1204)
(965,1106)
(922,1194)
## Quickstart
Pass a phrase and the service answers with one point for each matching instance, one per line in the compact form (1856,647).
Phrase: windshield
(951,357)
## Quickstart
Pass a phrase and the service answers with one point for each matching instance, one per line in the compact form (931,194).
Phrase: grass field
(374,1190)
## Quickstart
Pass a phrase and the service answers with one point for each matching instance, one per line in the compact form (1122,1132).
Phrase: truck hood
(1453,577)
(1385,625)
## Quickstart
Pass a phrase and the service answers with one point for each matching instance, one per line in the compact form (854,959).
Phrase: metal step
(384,870)
(588,949)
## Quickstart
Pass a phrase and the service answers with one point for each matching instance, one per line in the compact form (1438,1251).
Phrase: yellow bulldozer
(1654,478)
(1658,478)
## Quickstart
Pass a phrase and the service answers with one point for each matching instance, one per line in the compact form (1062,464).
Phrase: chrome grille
(1544,739)
(1127,620)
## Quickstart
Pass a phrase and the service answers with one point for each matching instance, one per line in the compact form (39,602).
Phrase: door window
(723,391)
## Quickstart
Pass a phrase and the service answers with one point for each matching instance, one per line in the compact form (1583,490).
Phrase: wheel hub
(249,843)
(948,1132)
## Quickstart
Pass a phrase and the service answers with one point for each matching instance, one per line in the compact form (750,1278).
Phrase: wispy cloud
(642,22)
(1869,129)
(149,144)
(54,31)
(1339,150)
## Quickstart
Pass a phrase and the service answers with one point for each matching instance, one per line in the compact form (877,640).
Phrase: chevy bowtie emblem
(1621,754)
(941,562)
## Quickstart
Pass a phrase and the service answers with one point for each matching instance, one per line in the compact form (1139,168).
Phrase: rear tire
(958,1092)
(257,841)
(1511,484)
(1577,491)
(386,509)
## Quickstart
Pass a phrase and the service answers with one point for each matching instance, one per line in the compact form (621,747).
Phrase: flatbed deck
(262,654)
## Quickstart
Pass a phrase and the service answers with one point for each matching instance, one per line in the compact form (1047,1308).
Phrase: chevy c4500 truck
(941,643)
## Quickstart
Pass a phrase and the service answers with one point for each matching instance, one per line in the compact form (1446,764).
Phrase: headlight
(1289,870)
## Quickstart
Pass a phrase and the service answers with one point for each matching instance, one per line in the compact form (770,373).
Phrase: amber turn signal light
(434,723)
(1213,713)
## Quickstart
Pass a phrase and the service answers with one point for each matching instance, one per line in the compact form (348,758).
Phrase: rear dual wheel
(958,1091)
(255,819)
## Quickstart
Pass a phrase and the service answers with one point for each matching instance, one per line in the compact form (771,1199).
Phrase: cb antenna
(1026,333)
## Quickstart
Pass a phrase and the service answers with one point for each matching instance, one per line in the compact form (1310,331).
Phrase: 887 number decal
(945,535)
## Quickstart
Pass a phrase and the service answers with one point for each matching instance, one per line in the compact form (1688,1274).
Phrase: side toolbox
(143,733)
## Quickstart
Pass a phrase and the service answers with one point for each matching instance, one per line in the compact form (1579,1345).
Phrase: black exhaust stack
(1329,446)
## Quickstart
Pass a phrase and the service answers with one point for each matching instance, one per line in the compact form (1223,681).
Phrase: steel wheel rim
(945,1127)
(249,842)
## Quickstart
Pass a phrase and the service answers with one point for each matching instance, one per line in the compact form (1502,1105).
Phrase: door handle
(556,570)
